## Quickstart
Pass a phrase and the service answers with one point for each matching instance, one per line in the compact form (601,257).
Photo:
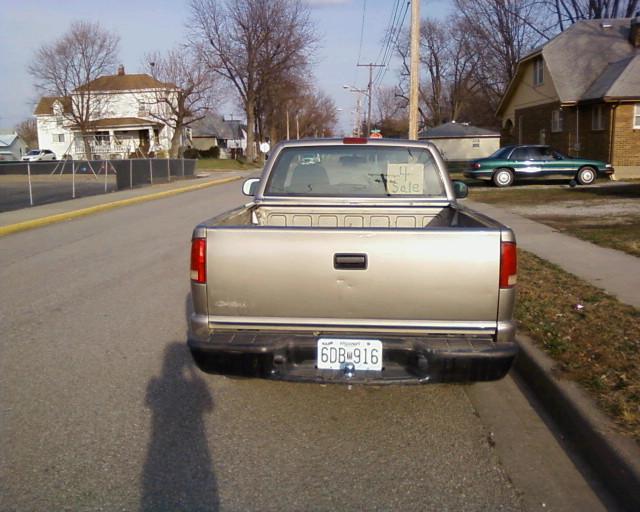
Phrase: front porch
(118,138)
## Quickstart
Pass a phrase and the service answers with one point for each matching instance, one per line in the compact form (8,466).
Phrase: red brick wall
(626,149)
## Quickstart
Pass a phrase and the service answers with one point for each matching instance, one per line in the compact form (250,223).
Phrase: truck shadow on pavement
(178,472)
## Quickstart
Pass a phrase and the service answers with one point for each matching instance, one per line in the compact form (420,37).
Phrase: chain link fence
(24,184)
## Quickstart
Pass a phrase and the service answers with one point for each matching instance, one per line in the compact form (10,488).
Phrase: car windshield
(34,152)
(502,152)
(348,171)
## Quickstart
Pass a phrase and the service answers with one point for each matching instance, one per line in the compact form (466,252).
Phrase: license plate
(334,354)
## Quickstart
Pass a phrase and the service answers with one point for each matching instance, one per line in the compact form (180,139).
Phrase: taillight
(354,140)
(475,165)
(199,260)
(508,264)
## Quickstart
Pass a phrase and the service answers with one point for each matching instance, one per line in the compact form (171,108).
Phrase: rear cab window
(355,171)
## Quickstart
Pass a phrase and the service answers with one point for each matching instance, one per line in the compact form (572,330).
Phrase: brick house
(580,93)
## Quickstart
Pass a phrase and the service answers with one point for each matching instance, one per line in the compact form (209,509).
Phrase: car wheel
(503,178)
(586,176)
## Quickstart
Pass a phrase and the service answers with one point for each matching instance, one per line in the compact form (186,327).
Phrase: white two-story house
(121,122)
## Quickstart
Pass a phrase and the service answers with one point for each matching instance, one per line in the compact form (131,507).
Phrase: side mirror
(460,189)
(250,187)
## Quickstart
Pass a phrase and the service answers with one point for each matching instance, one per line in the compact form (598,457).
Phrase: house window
(597,122)
(58,120)
(636,115)
(556,120)
(143,109)
(58,137)
(538,71)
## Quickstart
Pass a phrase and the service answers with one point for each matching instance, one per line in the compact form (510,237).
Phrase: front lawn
(594,338)
(607,215)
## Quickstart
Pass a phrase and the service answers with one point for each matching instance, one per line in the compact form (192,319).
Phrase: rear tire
(503,178)
(586,176)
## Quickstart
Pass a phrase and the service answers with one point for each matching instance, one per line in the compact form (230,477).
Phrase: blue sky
(149,25)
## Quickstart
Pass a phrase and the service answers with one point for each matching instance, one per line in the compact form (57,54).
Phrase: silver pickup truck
(354,263)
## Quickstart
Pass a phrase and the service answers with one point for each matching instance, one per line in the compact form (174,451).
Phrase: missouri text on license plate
(333,354)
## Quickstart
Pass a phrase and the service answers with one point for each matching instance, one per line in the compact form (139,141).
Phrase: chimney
(120,70)
(634,33)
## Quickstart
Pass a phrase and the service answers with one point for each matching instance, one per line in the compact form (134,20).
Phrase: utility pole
(369,88)
(351,88)
(287,124)
(357,126)
(415,70)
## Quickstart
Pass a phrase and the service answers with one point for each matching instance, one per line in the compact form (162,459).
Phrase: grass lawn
(530,195)
(597,345)
(217,164)
(608,215)
(622,234)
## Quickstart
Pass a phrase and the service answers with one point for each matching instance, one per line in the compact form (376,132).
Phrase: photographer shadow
(178,472)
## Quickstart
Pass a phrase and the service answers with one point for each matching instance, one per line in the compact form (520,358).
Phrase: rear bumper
(292,356)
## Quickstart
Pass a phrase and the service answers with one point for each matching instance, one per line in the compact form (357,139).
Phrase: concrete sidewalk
(615,272)
(36,216)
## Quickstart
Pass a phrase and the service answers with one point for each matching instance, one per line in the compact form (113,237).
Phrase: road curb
(60,217)
(614,458)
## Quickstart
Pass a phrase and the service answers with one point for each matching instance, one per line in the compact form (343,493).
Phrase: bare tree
(317,114)
(67,67)
(449,60)
(391,116)
(252,43)
(187,95)
(504,30)
(277,102)
(568,12)
(28,130)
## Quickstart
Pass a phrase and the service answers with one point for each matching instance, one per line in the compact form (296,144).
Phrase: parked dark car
(512,162)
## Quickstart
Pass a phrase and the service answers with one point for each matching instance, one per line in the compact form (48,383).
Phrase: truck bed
(419,275)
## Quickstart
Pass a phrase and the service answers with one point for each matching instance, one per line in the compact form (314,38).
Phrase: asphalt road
(102,409)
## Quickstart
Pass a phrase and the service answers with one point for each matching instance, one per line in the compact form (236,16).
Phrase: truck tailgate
(415,279)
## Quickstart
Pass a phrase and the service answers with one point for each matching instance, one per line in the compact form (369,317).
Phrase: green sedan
(511,162)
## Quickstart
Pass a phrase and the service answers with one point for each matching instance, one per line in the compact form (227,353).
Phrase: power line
(387,58)
(387,35)
(394,34)
(364,11)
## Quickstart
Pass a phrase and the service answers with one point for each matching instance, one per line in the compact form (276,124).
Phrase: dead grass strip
(594,338)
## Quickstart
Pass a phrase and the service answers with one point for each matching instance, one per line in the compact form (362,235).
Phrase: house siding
(527,94)
(119,104)
(461,149)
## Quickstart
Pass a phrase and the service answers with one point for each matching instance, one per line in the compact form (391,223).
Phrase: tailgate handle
(350,261)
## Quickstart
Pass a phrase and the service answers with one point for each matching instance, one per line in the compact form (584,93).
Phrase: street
(102,409)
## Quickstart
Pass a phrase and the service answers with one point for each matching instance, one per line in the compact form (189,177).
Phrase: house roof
(119,122)
(125,82)
(7,138)
(216,127)
(455,130)
(45,105)
(591,59)
(619,80)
